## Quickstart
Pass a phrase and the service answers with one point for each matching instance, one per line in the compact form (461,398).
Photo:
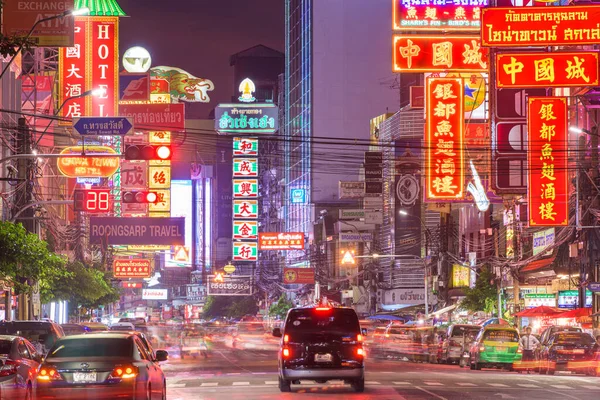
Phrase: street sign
(103,126)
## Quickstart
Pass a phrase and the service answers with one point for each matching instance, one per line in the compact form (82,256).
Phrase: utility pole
(587,269)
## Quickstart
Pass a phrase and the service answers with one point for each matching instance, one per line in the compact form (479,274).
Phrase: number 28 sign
(92,200)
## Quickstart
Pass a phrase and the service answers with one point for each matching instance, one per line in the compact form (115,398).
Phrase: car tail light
(322,308)
(481,348)
(124,372)
(285,352)
(360,351)
(359,338)
(49,374)
(8,368)
(519,350)
(286,338)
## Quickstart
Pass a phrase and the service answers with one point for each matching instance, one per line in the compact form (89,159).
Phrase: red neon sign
(548,191)
(414,15)
(426,53)
(444,137)
(92,200)
(105,66)
(72,72)
(524,70)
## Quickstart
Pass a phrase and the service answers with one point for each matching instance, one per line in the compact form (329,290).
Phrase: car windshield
(5,346)
(92,347)
(501,335)
(334,320)
(468,331)
(574,338)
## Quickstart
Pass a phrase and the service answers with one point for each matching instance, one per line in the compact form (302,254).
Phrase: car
(143,338)
(549,332)
(399,341)
(95,326)
(495,346)
(42,334)
(458,340)
(19,362)
(101,366)
(134,321)
(321,343)
(74,329)
(567,351)
(122,326)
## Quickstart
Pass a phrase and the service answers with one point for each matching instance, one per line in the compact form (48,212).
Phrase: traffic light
(139,196)
(92,200)
(148,152)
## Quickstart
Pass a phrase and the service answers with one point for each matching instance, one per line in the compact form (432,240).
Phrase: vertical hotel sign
(444,136)
(548,194)
(73,72)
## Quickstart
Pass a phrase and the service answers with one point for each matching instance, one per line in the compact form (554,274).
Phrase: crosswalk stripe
(527,385)
(205,384)
(561,386)
(372,383)
(175,385)
(465,384)
(497,384)
(433,383)
(271,382)
(401,383)
(240,383)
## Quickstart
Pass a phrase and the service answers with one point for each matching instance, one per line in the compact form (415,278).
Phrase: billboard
(547,69)
(419,15)
(155,116)
(444,136)
(431,53)
(351,190)
(540,26)
(281,241)
(247,118)
(570,298)
(232,285)
(19,16)
(298,276)
(88,166)
(183,86)
(137,231)
(408,192)
(548,190)
(155,294)
(136,268)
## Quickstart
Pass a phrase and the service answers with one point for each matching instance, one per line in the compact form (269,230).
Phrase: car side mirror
(363,331)
(277,332)
(162,355)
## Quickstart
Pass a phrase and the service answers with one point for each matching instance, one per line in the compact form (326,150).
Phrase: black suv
(42,334)
(321,343)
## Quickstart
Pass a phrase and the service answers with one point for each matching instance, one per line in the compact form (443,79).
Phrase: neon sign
(247,89)
(437,15)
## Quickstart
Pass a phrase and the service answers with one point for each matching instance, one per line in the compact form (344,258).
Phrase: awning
(539,265)
(444,310)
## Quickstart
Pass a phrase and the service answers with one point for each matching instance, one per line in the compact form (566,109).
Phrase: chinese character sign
(523,70)
(245,229)
(444,135)
(446,15)
(105,65)
(245,146)
(245,167)
(243,188)
(548,191)
(426,53)
(540,26)
(245,209)
(245,251)
(72,72)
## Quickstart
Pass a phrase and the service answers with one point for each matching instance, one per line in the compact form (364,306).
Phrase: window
(23,351)
(97,347)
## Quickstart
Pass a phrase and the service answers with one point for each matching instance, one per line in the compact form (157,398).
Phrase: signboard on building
(73,164)
(245,146)
(440,16)
(298,276)
(461,276)
(155,294)
(351,190)
(548,190)
(247,118)
(405,296)
(243,188)
(103,126)
(444,135)
(281,241)
(137,231)
(155,116)
(245,251)
(539,299)
(232,285)
(245,209)
(245,229)
(195,293)
(245,167)
(356,237)
(134,87)
(430,53)
(522,70)
(298,196)
(135,268)
(417,97)
(540,26)
(542,240)
(570,298)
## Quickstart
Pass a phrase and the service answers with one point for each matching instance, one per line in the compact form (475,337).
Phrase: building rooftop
(258,51)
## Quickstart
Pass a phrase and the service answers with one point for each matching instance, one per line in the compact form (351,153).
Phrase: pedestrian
(528,344)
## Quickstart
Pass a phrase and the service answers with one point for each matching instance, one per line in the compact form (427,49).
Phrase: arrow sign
(103,126)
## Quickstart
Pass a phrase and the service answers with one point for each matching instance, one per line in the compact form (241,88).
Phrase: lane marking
(527,385)
(175,385)
(240,384)
(372,383)
(466,384)
(209,384)
(560,386)
(431,393)
(497,384)
(558,394)
(271,382)
(401,383)
(433,383)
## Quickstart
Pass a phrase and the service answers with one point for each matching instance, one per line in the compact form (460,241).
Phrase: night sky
(199,36)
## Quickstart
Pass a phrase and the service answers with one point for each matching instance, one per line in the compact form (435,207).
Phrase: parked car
(398,341)
(41,334)
(19,362)
(143,338)
(122,326)
(495,346)
(567,351)
(321,343)
(74,329)
(101,366)
(458,340)
(95,326)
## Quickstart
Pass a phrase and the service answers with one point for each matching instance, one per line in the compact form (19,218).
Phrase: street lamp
(81,11)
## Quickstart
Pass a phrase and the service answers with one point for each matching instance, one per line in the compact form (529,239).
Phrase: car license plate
(501,349)
(323,358)
(84,377)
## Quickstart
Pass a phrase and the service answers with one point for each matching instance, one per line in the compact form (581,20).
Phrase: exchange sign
(444,135)
(231,285)
(243,188)
(245,229)
(281,241)
(540,26)
(245,209)
(546,69)
(73,164)
(245,251)
(245,167)
(548,191)
(446,15)
(427,53)
(245,146)
(140,268)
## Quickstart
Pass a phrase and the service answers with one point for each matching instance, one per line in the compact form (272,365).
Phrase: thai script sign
(232,285)
(281,241)
(439,15)
(356,237)
(103,126)
(88,165)
(540,26)
(405,296)
(351,190)
(546,69)
(548,191)
(245,146)
(542,240)
(245,209)
(245,167)
(539,299)
(154,116)
(245,251)
(298,276)
(427,53)
(137,231)
(247,118)
(444,135)
(570,298)
(155,294)
(139,268)
(245,229)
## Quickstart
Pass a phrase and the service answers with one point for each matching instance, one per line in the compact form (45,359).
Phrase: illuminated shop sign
(245,188)
(444,136)
(523,70)
(88,165)
(437,15)
(245,208)
(139,268)
(246,118)
(245,146)
(281,241)
(245,251)
(548,191)
(245,167)
(298,276)
(540,26)
(245,230)
(427,53)
(298,196)
(247,89)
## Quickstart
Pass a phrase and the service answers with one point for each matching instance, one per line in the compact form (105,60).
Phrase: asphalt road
(251,374)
